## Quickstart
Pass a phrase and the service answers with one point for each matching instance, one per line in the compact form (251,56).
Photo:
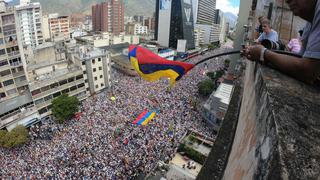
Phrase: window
(2,95)
(3,62)
(95,78)
(47,98)
(39,101)
(102,85)
(63,82)
(84,72)
(86,81)
(93,61)
(35,92)
(65,91)
(99,59)
(5,73)
(73,88)
(43,110)
(97,86)
(8,82)
(11,91)
(2,52)
(94,69)
(81,85)
(56,94)
(101,76)
(54,85)
(83,63)
(100,68)
(46,88)
(79,77)
(71,79)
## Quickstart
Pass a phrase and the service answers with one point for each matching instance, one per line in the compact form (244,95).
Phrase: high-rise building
(218,16)
(204,11)
(204,19)
(149,22)
(174,22)
(29,22)
(108,16)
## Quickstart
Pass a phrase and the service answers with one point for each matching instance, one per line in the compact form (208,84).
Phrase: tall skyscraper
(108,16)
(175,22)
(204,11)
(204,19)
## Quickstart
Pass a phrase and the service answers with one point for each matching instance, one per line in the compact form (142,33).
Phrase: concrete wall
(278,130)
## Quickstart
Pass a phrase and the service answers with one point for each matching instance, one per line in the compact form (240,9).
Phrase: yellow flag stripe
(171,74)
(148,119)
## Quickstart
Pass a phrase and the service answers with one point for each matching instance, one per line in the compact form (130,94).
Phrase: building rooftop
(93,53)
(13,103)
(45,45)
(53,76)
(29,5)
(116,48)
(224,93)
(121,59)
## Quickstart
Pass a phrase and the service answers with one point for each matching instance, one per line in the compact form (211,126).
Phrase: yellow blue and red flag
(152,67)
(144,118)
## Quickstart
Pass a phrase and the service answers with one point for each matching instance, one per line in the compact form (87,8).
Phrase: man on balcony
(306,68)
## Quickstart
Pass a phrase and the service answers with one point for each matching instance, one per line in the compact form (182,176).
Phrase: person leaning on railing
(306,68)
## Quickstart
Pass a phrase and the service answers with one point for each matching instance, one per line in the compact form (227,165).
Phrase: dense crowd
(103,142)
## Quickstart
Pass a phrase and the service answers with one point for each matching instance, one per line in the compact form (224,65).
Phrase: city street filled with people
(103,141)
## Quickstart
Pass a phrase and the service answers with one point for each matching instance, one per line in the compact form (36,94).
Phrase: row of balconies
(58,88)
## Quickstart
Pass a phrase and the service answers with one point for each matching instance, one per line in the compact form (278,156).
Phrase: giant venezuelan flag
(152,67)
(144,118)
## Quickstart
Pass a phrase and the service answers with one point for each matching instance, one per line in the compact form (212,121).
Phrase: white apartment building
(140,30)
(96,67)
(29,23)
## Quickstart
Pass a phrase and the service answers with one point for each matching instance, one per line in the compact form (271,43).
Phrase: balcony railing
(14,53)
(18,115)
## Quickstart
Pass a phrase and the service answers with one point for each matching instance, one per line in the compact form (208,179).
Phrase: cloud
(226,6)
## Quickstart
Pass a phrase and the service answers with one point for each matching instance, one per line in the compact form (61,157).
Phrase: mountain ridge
(132,7)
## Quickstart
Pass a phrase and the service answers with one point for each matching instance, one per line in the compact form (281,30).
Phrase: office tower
(204,11)
(175,22)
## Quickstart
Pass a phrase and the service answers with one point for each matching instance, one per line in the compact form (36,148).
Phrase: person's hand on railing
(252,53)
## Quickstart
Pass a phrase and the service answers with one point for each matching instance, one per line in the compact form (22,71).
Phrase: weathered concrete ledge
(278,132)
(218,157)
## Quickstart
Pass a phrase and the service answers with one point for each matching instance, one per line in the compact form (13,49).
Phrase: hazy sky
(229,6)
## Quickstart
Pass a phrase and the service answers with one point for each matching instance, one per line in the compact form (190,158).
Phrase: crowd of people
(104,142)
